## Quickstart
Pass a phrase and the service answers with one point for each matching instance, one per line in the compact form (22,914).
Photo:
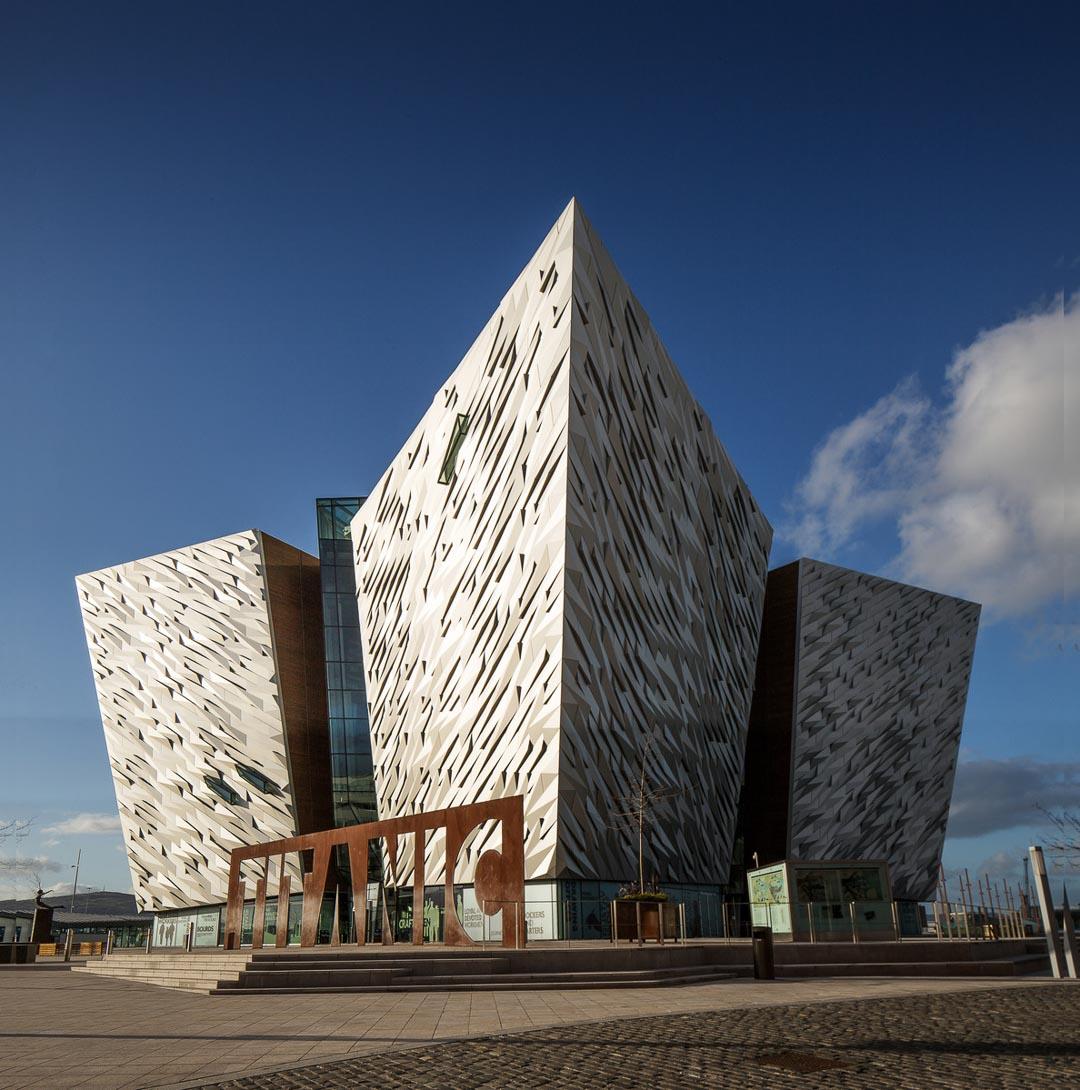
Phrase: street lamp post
(75,884)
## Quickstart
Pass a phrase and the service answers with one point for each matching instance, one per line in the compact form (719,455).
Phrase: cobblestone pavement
(62,1030)
(1024,1038)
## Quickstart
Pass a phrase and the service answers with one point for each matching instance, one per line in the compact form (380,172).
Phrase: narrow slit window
(457,437)
(223,790)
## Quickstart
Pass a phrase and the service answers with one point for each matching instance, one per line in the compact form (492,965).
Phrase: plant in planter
(637,809)
(644,914)
(633,892)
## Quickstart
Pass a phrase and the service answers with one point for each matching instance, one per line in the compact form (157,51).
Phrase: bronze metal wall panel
(765,806)
(295,601)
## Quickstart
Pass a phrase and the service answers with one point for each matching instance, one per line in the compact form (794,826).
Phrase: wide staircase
(413,969)
(199,971)
(334,972)
(409,969)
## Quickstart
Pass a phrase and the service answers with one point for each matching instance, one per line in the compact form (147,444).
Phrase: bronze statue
(41,929)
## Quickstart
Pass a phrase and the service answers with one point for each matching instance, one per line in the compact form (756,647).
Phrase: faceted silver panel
(460,584)
(182,651)
(881,684)
(665,572)
(592,571)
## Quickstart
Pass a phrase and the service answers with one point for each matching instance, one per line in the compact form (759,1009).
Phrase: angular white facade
(561,562)
(199,677)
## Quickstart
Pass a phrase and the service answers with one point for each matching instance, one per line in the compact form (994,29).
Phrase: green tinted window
(457,437)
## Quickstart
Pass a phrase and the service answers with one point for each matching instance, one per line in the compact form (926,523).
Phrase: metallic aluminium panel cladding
(594,569)
(207,663)
(665,574)
(881,683)
(460,584)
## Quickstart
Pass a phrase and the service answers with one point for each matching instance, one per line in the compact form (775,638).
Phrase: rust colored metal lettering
(234,909)
(358,865)
(335,927)
(284,881)
(314,886)
(499,879)
(258,927)
(419,838)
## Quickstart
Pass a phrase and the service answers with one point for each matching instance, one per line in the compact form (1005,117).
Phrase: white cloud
(984,493)
(1001,865)
(861,471)
(33,864)
(994,795)
(84,824)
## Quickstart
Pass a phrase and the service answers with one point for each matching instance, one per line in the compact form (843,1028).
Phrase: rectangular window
(350,645)
(457,437)
(355,704)
(352,676)
(348,612)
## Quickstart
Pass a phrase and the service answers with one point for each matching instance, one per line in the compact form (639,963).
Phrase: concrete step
(915,951)
(640,976)
(1006,967)
(416,965)
(311,979)
(182,971)
(205,986)
(125,964)
(501,983)
(179,974)
(207,963)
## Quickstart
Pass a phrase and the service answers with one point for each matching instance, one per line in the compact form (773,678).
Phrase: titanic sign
(499,880)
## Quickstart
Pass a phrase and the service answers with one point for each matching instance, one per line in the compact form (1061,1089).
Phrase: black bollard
(764,969)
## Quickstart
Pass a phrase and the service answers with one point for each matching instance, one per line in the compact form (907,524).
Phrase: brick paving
(61,1030)
(1025,1038)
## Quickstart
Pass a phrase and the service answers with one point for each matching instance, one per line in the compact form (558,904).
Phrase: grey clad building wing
(855,730)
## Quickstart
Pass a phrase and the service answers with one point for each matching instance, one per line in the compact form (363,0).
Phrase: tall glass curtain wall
(350,740)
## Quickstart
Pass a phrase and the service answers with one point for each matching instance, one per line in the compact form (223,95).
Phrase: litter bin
(764,968)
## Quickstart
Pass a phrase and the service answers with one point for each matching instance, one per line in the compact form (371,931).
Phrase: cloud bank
(31,864)
(990,796)
(83,825)
(984,491)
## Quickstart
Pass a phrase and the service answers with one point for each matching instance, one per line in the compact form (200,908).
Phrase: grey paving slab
(63,1029)
(1026,1038)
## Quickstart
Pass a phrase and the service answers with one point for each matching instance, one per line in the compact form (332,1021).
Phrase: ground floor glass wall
(555,910)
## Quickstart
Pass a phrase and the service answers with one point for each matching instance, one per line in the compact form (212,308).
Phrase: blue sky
(240,246)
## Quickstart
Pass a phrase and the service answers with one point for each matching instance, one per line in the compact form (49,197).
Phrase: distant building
(15,924)
(96,913)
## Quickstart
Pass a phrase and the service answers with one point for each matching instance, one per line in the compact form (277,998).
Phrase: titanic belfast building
(559,581)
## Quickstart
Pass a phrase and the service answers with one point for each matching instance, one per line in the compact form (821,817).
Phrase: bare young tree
(16,828)
(1064,845)
(638,806)
(14,870)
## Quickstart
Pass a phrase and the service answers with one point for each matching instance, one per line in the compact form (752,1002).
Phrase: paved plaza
(1024,1039)
(65,1030)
